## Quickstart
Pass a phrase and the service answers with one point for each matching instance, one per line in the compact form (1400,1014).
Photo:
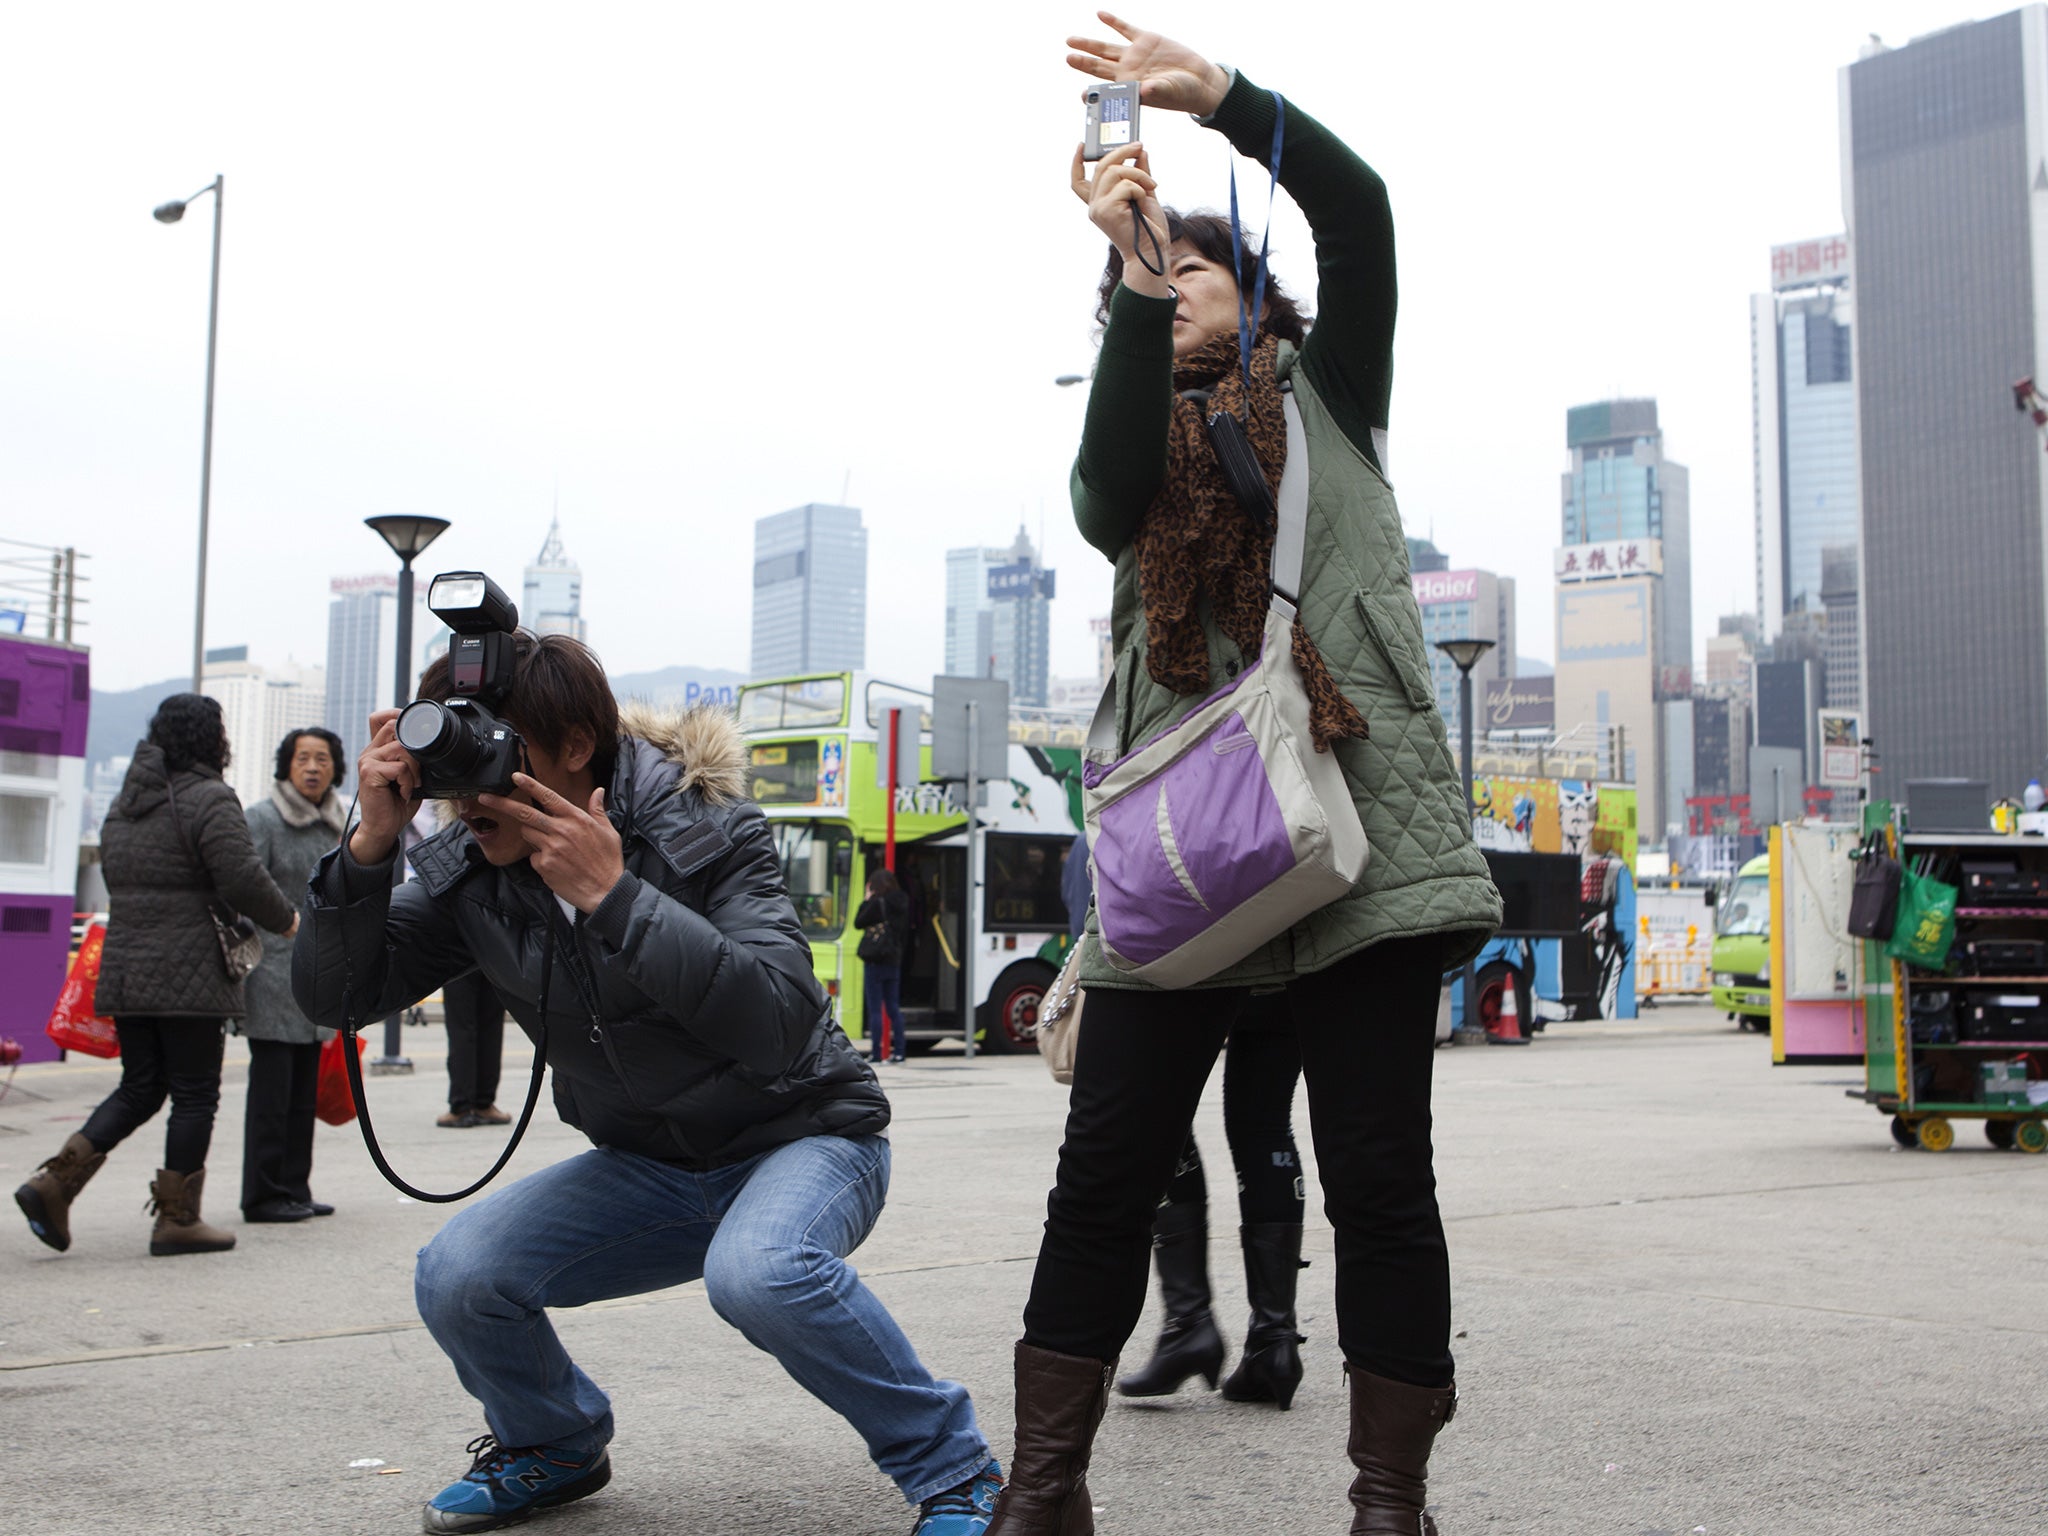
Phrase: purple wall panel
(35,951)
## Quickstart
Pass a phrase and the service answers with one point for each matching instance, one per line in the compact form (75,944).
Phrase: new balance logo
(533,1477)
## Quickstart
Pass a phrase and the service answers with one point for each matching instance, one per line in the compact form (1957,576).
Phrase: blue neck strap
(1247,315)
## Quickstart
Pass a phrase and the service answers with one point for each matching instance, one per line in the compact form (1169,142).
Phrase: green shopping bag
(1927,921)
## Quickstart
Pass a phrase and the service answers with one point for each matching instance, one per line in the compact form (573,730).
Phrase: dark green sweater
(1349,356)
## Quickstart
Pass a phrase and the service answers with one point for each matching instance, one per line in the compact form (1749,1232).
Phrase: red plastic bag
(333,1101)
(73,1024)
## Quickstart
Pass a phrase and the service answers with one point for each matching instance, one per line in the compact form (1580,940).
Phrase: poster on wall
(1518,815)
(1841,747)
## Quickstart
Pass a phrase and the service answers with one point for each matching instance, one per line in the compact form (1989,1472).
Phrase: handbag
(333,1101)
(1059,1019)
(73,1024)
(1874,900)
(1228,827)
(241,945)
(1926,925)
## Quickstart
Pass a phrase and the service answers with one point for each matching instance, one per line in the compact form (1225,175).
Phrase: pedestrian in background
(1193,588)
(303,817)
(884,921)
(475,1019)
(174,847)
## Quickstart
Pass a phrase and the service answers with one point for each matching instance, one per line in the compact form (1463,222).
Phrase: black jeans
(1261,1065)
(1367,1029)
(277,1122)
(164,1057)
(476,1042)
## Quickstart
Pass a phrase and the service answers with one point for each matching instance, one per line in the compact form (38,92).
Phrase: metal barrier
(1673,965)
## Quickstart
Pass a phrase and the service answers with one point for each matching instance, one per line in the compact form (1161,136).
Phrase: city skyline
(113,342)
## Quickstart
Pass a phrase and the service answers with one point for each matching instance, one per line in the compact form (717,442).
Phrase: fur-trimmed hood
(704,742)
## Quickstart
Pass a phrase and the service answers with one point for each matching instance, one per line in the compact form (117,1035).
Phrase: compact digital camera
(462,747)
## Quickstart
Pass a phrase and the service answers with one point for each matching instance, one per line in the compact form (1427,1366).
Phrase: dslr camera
(463,748)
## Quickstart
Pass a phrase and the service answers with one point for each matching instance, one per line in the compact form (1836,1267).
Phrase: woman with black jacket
(884,919)
(174,846)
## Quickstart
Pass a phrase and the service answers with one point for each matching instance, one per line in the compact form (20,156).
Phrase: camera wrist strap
(1248,315)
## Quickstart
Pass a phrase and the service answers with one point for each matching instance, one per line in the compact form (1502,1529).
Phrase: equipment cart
(1969,1042)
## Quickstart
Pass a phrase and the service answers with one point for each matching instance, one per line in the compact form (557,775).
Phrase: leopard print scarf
(1196,543)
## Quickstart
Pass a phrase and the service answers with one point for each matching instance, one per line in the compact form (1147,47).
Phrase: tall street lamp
(1466,654)
(408,537)
(170,213)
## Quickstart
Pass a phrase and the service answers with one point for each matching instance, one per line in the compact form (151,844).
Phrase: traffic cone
(1508,1030)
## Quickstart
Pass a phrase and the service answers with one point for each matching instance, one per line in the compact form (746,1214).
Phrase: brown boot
(175,1199)
(1060,1400)
(46,1198)
(1393,1426)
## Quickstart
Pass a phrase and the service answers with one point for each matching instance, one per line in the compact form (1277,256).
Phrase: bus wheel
(1009,1019)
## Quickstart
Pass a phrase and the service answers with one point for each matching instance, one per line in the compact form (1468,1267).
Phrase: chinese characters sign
(1809,262)
(1616,557)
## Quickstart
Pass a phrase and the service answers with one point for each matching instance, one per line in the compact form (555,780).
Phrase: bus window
(816,860)
(1023,883)
(813,703)
(1746,908)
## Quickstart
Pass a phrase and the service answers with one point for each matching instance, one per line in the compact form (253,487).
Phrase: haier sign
(1446,587)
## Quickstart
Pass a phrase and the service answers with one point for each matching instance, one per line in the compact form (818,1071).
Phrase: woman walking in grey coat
(303,819)
(174,846)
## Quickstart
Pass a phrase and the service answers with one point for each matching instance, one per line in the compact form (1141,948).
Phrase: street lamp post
(408,537)
(1466,654)
(170,213)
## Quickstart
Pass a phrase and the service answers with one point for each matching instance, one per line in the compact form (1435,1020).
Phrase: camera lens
(440,738)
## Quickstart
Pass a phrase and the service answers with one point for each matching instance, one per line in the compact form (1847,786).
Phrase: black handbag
(241,944)
(1874,902)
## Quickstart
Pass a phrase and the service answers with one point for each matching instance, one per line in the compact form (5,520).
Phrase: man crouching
(737,1133)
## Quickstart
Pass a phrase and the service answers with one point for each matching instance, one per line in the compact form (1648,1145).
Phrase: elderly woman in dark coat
(300,821)
(174,846)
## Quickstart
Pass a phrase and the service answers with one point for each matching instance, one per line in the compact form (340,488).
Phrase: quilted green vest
(1425,875)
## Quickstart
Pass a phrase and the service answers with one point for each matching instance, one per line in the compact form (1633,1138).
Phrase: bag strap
(213,897)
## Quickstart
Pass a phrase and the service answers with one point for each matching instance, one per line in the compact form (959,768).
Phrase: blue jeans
(882,987)
(768,1236)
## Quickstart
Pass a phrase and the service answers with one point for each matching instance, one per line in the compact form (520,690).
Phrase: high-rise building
(362,650)
(1843,654)
(1945,185)
(1466,605)
(1803,406)
(810,591)
(1627,563)
(552,602)
(258,705)
(999,617)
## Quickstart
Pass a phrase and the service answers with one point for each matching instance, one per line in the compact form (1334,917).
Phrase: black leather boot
(1060,1401)
(1271,1367)
(1393,1426)
(1189,1344)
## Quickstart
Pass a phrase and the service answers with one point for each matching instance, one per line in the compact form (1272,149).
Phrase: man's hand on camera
(1170,75)
(576,851)
(387,787)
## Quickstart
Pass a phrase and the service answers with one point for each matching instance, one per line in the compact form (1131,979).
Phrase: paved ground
(1694,1293)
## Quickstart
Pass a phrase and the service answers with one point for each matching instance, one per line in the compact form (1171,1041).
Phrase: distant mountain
(119,720)
(1533,666)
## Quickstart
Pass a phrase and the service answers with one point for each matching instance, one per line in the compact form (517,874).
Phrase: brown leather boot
(46,1198)
(175,1199)
(1393,1426)
(1060,1400)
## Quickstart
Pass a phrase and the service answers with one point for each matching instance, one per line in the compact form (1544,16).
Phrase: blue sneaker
(504,1486)
(964,1510)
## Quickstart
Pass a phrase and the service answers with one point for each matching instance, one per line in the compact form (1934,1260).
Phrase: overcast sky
(685,266)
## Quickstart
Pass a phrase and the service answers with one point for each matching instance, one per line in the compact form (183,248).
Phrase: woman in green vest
(1362,975)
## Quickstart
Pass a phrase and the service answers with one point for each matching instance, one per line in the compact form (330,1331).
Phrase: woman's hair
(1209,234)
(884,882)
(288,748)
(189,730)
(558,684)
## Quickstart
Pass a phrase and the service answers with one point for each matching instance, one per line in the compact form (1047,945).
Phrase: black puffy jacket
(684,1020)
(163,871)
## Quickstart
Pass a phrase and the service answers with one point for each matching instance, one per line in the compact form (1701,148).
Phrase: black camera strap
(352,1023)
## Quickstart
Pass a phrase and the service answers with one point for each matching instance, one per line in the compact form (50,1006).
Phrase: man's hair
(1209,234)
(558,684)
(289,747)
(190,730)
(884,882)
